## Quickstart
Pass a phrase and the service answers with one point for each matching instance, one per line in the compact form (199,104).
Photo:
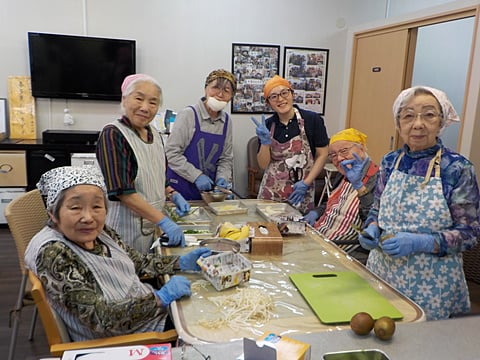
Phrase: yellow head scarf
(350,134)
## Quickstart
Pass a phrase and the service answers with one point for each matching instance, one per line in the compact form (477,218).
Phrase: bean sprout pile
(246,307)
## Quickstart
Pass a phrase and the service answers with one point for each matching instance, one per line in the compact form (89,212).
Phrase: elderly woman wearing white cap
(426,208)
(132,158)
(91,277)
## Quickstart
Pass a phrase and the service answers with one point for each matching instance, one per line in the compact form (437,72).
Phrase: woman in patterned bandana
(426,208)
(92,278)
(200,148)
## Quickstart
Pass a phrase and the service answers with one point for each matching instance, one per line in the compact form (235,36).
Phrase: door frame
(471,106)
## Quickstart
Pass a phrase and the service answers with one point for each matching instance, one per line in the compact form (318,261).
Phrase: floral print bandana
(58,179)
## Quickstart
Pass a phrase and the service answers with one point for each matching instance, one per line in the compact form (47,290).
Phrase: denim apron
(276,183)
(203,152)
(416,204)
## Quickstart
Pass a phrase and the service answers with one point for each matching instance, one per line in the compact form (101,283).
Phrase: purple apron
(203,152)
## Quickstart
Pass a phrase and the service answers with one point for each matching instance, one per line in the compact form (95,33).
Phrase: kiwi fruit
(362,323)
(384,328)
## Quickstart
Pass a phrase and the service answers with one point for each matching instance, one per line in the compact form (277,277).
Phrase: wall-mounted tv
(79,67)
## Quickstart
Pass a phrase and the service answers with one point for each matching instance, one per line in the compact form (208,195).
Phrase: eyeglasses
(227,90)
(428,116)
(284,94)
(342,152)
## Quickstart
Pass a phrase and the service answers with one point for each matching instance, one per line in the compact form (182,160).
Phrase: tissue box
(138,352)
(271,346)
(225,270)
(266,239)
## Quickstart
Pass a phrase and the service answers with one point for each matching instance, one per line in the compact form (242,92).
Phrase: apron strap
(433,164)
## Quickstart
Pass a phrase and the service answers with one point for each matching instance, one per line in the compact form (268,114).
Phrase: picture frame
(3,119)
(253,65)
(307,69)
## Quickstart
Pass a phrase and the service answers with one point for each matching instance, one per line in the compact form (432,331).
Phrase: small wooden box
(266,239)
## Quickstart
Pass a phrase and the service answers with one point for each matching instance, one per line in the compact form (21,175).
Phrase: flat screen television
(79,67)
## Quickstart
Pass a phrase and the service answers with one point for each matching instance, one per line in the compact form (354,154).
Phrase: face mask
(216,105)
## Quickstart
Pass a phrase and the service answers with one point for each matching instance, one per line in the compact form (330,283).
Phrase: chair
(255,173)
(471,264)
(329,170)
(59,340)
(26,215)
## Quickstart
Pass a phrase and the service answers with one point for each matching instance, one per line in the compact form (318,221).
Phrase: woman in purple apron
(293,148)
(426,209)
(199,149)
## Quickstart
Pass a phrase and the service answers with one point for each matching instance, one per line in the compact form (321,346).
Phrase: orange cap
(273,83)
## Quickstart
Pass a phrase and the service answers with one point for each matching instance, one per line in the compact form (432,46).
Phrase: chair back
(55,329)
(60,341)
(26,215)
(255,173)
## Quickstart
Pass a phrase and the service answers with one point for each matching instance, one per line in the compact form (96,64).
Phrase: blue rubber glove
(183,207)
(188,262)
(221,182)
(262,132)
(173,231)
(369,237)
(174,289)
(404,243)
(299,192)
(204,183)
(353,169)
(311,217)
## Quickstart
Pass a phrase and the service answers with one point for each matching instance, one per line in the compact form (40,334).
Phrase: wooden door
(380,71)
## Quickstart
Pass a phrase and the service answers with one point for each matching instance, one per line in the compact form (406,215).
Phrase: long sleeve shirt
(75,287)
(182,134)
(460,189)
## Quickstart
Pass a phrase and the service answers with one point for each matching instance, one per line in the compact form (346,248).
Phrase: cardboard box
(271,346)
(6,196)
(133,352)
(225,270)
(266,239)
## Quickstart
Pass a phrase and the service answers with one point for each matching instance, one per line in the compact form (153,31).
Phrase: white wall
(180,41)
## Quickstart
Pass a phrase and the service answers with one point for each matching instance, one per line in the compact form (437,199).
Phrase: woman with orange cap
(293,147)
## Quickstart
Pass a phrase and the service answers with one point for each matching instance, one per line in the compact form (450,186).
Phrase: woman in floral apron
(426,209)
(293,148)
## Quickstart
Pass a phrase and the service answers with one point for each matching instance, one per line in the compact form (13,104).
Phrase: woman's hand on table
(174,289)
(182,206)
(173,231)
(188,262)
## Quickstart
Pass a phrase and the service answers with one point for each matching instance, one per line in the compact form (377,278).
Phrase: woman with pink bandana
(132,158)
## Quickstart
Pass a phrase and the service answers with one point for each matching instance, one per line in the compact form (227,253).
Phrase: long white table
(292,315)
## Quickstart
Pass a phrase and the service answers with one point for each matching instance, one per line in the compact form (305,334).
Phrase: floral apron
(412,203)
(276,183)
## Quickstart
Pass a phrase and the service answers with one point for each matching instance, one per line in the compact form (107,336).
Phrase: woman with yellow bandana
(349,203)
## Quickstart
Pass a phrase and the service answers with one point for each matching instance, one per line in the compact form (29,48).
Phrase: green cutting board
(336,296)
